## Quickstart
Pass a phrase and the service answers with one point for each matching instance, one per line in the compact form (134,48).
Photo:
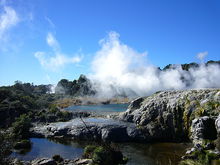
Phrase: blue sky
(42,41)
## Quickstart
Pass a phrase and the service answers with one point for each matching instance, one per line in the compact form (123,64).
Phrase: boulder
(203,128)
(89,129)
(43,161)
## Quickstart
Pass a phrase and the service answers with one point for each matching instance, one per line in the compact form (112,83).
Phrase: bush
(5,147)
(21,126)
(23,144)
(104,154)
(88,151)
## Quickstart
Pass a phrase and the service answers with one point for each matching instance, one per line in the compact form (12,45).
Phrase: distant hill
(186,67)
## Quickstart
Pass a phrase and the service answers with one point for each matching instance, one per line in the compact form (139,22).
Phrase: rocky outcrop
(217,124)
(203,128)
(91,129)
(51,161)
(164,116)
(168,115)
(80,87)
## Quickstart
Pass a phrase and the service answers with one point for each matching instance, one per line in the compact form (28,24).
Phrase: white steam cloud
(59,59)
(120,70)
(201,56)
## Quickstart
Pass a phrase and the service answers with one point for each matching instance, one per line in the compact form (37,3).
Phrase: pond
(138,154)
(99,107)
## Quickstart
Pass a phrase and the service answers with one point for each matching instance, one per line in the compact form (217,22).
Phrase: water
(47,148)
(101,107)
(138,154)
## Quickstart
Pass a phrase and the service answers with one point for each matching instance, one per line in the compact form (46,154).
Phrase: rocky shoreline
(168,116)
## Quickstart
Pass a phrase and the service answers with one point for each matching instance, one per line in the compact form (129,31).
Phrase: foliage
(23,144)
(21,126)
(201,157)
(104,154)
(88,151)
(5,147)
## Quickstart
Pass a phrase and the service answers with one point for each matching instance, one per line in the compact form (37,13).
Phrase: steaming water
(101,107)
(138,154)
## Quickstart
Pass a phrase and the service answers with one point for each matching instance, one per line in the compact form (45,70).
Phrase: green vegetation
(104,154)
(21,126)
(5,146)
(194,109)
(23,144)
(203,157)
(20,105)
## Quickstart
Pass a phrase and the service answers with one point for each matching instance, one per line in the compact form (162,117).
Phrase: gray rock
(203,128)
(83,161)
(166,115)
(88,129)
(43,161)
(217,125)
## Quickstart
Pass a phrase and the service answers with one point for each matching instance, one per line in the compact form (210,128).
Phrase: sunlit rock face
(168,115)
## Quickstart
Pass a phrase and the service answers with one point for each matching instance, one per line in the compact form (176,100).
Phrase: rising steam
(120,70)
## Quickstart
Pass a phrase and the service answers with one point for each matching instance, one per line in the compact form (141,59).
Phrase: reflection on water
(46,148)
(154,154)
(101,107)
(138,154)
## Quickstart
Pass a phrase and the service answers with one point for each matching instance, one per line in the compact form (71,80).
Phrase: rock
(190,151)
(83,161)
(135,104)
(43,161)
(217,125)
(203,128)
(80,87)
(167,115)
(89,129)
(116,134)
(164,116)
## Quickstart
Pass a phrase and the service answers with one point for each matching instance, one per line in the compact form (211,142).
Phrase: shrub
(5,147)
(23,144)
(104,154)
(53,109)
(88,151)
(21,126)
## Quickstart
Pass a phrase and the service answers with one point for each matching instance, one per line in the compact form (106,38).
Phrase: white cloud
(52,42)
(8,19)
(50,22)
(202,55)
(58,60)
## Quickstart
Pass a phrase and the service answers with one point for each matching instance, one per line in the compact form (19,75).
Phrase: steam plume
(120,70)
